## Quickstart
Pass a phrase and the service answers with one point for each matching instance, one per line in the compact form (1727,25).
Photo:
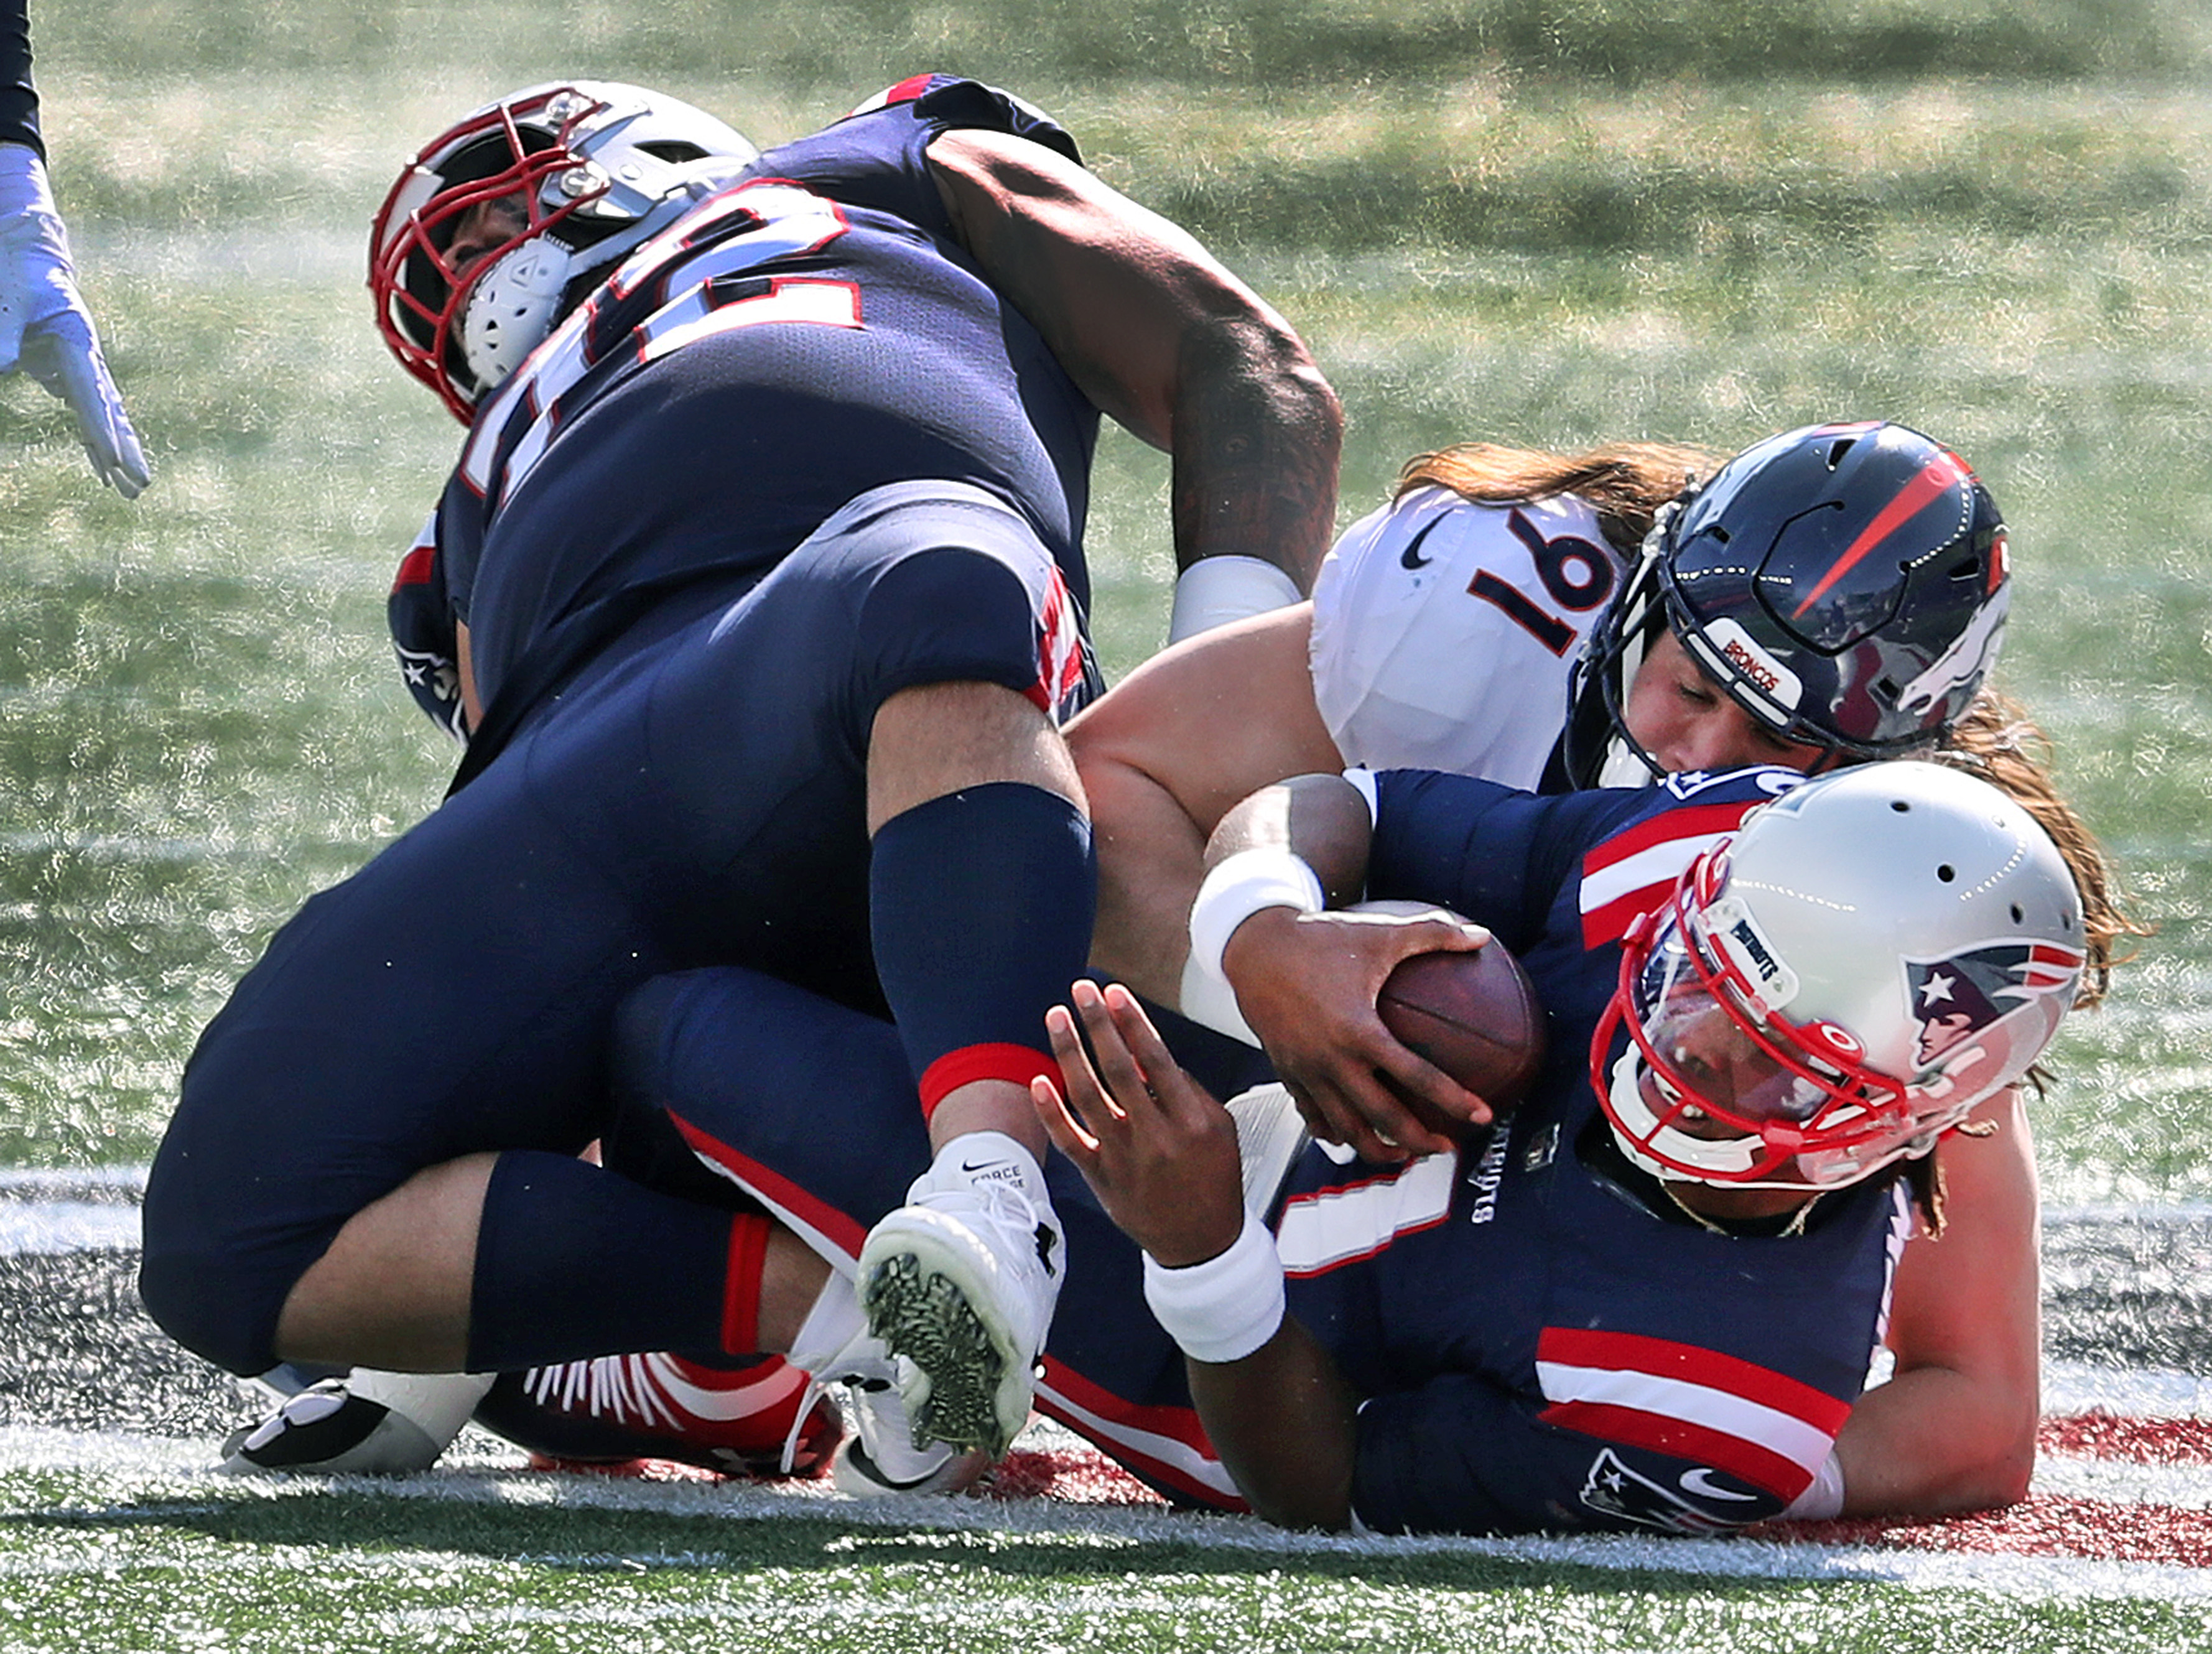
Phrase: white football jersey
(1443,632)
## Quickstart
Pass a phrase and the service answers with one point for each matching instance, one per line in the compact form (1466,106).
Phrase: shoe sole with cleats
(928,1300)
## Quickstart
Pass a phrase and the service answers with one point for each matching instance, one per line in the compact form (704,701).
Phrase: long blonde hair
(1625,483)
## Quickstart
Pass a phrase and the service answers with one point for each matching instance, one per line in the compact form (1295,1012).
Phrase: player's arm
(1166,756)
(426,638)
(1165,340)
(44,328)
(1161,1154)
(1954,1428)
(1306,979)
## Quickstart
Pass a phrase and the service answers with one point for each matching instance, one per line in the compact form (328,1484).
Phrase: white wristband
(1267,877)
(1214,591)
(1207,999)
(1226,1308)
(1824,1498)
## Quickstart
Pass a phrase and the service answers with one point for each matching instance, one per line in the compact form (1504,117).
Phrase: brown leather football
(1473,1015)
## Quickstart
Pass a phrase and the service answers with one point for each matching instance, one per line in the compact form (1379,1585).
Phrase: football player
(1648,1298)
(1832,594)
(762,570)
(44,328)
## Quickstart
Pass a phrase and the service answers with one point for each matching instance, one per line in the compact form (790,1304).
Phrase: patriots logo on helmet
(1613,1489)
(1964,992)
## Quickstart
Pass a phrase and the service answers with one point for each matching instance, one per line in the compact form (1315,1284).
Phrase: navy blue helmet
(1846,585)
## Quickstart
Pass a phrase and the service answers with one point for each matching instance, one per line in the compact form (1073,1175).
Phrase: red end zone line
(2140,1441)
(2043,1524)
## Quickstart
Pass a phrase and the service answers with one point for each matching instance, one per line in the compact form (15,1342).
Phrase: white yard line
(163,1470)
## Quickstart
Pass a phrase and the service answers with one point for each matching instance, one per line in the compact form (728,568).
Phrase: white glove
(44,326)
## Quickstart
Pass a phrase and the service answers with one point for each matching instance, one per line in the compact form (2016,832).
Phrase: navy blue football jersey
(1543,1339)
(813,331)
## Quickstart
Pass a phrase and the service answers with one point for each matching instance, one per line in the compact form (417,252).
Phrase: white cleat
(837,1348)
(365,1423)
(880,1457)
(960,1282)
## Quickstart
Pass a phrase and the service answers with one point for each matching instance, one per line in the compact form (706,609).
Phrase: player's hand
(1153,1144)
(1306,983)
(44,328)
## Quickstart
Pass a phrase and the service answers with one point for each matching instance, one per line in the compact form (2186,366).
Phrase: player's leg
(908,655)
(726,1079)
(980,902)
(373,1159)
(806,1108)
(981,887)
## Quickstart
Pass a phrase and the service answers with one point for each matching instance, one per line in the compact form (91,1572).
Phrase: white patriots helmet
(598,166)
(1834,987)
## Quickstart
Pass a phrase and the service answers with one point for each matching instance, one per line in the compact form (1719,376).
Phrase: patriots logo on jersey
(1964,992)
(1614,1490)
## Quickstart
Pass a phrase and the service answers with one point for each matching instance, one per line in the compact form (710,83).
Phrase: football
(1473,1015)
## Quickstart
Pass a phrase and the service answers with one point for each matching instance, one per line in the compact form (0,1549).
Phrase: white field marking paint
(2072,1387)
(2122,1481)
(172,1468)
(129,1179)
(44,1212)
(47,1227)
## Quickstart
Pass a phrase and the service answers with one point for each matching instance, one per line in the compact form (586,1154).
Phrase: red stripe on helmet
(1939,474)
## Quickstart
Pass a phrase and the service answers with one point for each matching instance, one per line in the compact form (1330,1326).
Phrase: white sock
(990,1157)
(832,1324)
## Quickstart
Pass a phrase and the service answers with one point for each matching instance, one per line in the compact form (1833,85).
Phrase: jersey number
(727,290)
(1578,576)
(781,220)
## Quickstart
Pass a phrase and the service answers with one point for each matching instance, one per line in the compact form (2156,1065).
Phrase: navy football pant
(697,797)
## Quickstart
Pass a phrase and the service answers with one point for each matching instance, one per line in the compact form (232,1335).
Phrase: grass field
(158,1555)
(1546,222)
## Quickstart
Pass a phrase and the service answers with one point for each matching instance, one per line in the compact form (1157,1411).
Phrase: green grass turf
(1546,221)
(113,1561)
(199,723)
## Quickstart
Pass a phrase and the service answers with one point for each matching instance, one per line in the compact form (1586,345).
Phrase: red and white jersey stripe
(1633,873)
(1331,1227)
(1760,1426)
